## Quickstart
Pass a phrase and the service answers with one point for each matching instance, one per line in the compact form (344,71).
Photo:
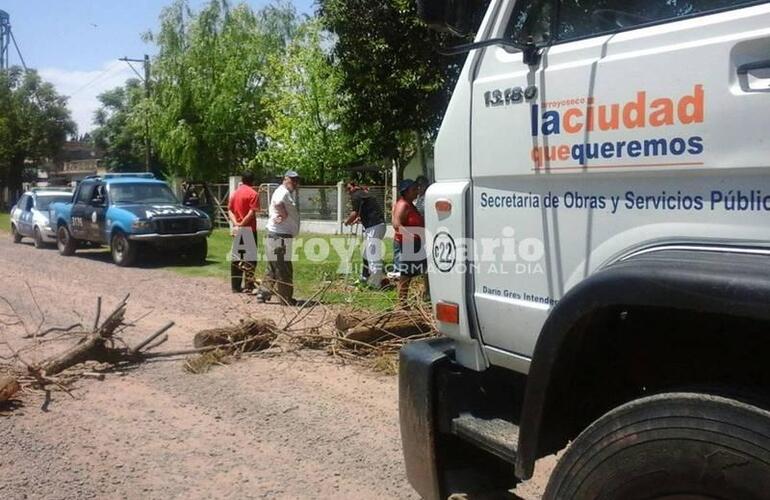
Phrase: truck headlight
(142,225)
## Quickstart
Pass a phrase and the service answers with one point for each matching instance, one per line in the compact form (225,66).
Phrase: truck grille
(176,225)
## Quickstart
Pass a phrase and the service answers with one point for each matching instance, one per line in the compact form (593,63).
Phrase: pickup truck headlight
(142,225)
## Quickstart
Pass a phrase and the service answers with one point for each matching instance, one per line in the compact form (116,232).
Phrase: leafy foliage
(207,100)
(305,107)
(34,123)
(120,137)
(397,82)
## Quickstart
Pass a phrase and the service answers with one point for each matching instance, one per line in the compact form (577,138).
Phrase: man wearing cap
(282,227)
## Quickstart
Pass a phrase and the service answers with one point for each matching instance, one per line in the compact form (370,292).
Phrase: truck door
(96,214)
(639,125)
(81,211)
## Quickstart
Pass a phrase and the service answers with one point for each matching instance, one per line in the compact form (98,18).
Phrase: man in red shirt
(242,209)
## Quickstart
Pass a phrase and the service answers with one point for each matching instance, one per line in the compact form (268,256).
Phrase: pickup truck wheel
(123,250)
(65,242)
(198,252)
(15,234)
(38,237)
(669,446)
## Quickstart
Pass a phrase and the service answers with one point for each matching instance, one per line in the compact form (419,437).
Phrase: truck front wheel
(65,242)
(15,234)
(676,445)
(123,250)
(197,252)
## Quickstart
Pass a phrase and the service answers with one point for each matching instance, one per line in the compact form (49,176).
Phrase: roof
(127,178)
(132,180)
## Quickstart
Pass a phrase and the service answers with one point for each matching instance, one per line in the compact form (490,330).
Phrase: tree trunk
(8,387)
(252,335)
(369,329)
(420,153)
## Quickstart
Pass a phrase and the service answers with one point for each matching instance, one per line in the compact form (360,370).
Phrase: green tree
(399,85)
(305,105)
(116,134)
(34,123)
(206,106)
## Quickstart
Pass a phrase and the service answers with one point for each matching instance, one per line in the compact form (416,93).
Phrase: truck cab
(128,212)
(599,253)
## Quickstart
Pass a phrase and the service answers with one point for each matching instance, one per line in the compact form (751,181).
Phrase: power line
(128,61)
(98,77)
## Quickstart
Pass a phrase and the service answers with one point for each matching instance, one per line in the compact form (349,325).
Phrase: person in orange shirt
(242,210)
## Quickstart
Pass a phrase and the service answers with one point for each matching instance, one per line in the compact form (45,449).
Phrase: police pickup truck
(599,252)
(127,212)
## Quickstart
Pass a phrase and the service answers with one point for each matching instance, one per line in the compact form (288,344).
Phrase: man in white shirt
(282,226)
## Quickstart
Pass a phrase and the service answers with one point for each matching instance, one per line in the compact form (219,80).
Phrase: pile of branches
(363,335)
(102,344)
(218,346)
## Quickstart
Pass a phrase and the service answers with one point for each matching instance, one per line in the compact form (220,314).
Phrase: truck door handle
(744,69)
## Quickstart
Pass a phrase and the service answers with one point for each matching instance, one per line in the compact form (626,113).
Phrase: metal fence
(316,203)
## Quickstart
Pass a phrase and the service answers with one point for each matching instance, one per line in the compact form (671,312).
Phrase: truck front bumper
(160,238)
(418,414)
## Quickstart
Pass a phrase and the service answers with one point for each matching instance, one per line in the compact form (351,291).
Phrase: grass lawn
(310,275)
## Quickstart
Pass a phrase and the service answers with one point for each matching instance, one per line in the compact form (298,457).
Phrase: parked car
(128,212)
(29,217)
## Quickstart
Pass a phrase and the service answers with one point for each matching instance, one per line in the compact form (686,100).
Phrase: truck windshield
(124,194)
(44,201)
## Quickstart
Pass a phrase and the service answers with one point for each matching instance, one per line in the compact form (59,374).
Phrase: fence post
(232,182)
(340,205)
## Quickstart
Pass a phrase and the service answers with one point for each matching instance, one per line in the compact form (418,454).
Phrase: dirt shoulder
(295,425)
(286,426)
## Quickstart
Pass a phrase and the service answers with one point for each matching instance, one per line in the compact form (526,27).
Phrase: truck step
(497,436)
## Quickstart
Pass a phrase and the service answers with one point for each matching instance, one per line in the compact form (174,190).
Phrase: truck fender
(721,280)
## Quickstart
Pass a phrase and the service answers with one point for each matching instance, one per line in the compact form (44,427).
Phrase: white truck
(598,239)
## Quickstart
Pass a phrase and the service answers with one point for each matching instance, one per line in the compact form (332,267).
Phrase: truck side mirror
(449,16)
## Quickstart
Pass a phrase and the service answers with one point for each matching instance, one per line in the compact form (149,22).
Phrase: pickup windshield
(125,194)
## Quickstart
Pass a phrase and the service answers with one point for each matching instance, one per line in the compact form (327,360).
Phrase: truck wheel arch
(730,282)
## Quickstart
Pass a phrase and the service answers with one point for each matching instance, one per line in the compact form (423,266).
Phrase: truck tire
(198,251)
(65,242)
(123,250)
(37,236)
(675,445)
(15,234)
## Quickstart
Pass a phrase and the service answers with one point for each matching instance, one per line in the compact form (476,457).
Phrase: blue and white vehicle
(127,212)
(29,217)
(599,254)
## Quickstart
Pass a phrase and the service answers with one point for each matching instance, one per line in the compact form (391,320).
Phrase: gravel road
(289,426)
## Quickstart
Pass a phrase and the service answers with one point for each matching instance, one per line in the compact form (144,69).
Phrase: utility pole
(146,62)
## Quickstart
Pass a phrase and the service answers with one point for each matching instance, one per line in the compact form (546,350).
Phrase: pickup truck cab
(30,215)
(599,238)
(127,212)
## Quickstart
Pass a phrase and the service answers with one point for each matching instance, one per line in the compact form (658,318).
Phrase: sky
(75,44)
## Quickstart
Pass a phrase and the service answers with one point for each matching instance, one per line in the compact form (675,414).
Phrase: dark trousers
(243,273)
(279,279)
